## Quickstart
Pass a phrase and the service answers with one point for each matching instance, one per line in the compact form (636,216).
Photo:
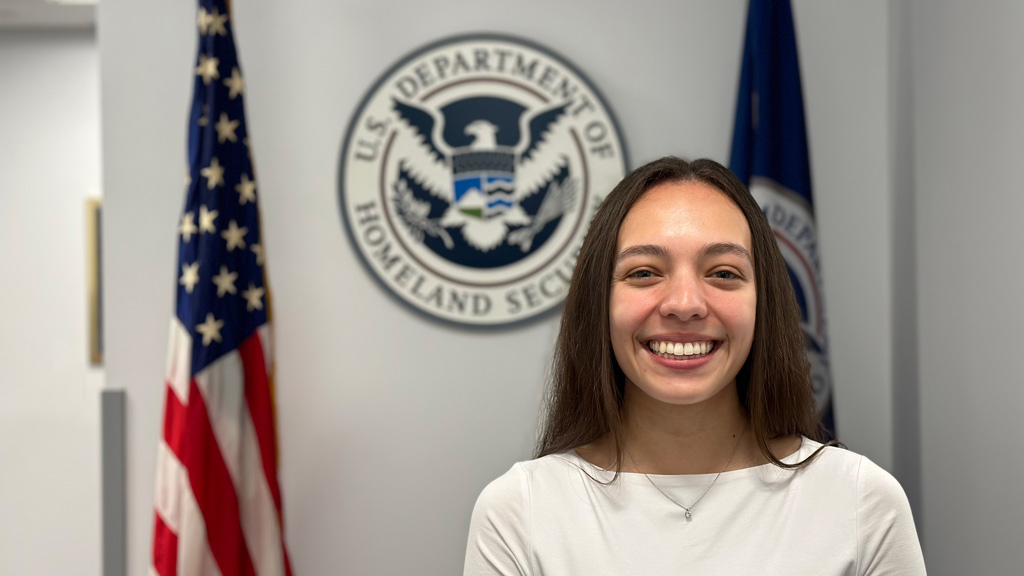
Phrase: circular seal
(469,175)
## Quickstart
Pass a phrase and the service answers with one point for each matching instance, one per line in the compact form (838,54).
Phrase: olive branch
(414,213)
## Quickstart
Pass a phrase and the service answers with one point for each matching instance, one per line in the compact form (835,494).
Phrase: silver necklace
(687,509)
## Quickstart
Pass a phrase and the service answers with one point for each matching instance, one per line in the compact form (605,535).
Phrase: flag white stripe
(171,478)
(266,342)
(179,360)
(222,386)
(259,515)
(194,555)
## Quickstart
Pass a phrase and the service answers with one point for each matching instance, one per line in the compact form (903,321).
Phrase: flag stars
(258,251)
(235,236)
(212,23)
(206,218)
(188,226)
(189,276)
(216,23)
(246,190)
(225,128)
(254,297)
(235,84)
(204,119)
(210,329)
(203,21)
(214,174)
(225,282)
(208,68)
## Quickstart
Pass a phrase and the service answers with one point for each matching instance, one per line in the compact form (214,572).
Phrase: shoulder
(500,527)
(870,481)
(514,486)
(849,480)
(886,536)
(505,493)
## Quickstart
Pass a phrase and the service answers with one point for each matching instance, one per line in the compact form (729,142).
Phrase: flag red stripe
(174,422)
(257,396)
(165,549)
(213,489)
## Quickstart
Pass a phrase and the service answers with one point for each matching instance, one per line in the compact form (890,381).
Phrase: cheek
(739,314)
(618,319)
(626,313)
(627,309)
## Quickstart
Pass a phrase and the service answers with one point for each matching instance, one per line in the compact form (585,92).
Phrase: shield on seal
(484,182)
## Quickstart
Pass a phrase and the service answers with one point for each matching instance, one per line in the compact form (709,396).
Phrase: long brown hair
(586,388)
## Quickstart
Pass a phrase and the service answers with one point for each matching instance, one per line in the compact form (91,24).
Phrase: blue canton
(221,296)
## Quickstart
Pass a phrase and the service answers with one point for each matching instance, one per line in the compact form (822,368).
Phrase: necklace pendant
(688,515)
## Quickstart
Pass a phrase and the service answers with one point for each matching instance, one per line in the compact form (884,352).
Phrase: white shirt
(841,515)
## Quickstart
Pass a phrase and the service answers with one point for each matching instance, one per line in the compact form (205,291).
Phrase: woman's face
(683,296)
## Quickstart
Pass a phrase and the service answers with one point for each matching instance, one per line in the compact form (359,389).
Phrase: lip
(681,338)
(682,364)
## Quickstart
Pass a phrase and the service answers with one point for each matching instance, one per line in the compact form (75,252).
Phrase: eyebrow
(641,250)
(715,249)
(721,248)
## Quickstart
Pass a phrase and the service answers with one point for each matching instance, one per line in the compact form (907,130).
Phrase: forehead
(684,211)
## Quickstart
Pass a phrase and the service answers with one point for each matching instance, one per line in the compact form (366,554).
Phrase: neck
(662,438)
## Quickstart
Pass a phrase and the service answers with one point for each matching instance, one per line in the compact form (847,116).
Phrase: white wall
(49,394)
(391,424)
(968,150)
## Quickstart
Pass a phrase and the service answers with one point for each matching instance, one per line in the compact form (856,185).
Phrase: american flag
(218,501)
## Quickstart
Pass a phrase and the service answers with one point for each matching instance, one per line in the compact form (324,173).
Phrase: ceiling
(47,14)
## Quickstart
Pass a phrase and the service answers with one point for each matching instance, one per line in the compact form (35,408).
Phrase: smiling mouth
(681,350)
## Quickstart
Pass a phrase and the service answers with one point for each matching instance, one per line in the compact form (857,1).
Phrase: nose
(684,298)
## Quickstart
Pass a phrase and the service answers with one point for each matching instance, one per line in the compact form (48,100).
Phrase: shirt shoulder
(498,542)
(500,528)
(886,536)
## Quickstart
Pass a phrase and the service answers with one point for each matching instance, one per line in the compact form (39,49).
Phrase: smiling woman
(681,310)
(681,433)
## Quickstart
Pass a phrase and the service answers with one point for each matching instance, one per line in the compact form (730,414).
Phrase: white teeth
(692,349)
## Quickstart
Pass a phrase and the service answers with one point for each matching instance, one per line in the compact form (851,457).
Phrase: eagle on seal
(484,182)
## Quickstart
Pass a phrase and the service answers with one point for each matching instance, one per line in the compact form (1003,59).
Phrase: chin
(684,396)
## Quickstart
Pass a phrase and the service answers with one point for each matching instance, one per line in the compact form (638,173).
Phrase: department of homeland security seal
(792,220)
(470,173)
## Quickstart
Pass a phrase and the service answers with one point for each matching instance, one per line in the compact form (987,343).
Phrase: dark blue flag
(769,154)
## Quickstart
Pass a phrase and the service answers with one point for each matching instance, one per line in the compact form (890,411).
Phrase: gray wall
(391,424)
(968,148)
(49,393)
